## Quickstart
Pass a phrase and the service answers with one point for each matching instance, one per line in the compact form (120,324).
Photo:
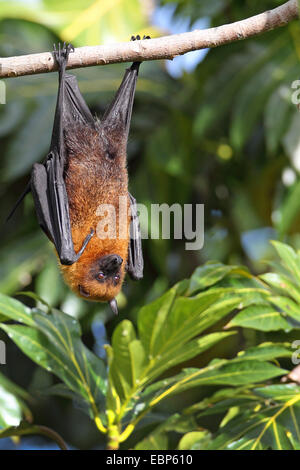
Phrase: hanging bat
(84,169)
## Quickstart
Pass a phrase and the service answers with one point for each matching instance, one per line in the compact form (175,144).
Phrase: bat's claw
(62,54)
(138,38)
(136,64)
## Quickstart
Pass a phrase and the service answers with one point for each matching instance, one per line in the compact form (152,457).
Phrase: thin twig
(166,47)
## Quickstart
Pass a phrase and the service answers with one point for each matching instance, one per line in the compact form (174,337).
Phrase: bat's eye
(101,276)
(116,279)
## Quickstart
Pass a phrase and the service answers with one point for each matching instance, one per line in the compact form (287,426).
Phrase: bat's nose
(111,263)
(116,260)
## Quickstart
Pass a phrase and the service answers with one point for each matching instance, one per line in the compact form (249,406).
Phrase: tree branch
(166,47)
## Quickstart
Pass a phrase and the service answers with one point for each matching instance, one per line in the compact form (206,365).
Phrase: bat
(84,170)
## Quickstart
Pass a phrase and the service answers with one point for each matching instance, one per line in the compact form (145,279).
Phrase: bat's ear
(119,112)
(114,306)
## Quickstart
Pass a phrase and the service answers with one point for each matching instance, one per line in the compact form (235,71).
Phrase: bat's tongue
(114,306)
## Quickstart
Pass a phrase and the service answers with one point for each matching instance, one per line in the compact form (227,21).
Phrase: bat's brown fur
(95,174)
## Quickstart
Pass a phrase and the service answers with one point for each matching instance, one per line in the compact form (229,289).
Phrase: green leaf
(126,350)
(264,352)
(15,310)
(287,306)
(218,372)
(278,392)
(158,438)
(10,409)
(24,429)
(167,330)
(196,440)
(272,425)
(210,274)
(156,441)
(13,406)
(238,373)
(53,341)
(283,284)
(260,317)
(289,257)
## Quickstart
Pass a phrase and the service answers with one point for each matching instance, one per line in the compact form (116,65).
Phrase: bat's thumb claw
(70,47)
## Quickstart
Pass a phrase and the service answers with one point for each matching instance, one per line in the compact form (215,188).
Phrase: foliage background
(216,128)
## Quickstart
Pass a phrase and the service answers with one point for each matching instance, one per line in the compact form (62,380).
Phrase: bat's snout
(110,264)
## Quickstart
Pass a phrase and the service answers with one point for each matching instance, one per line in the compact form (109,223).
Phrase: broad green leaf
(12,404)
(211,273)
(219,407)
(158,438)
(260,317)
(264,352)
(15,310)
(218,372)
(121,368)
(290,259)
(273,426)
(53,341)
(278,392)
(63,332)
(287,306)
(187,318)
(237,373)
(36,346)
(152,318)
(10,409)
(185,352)
(24,428)
(156,441)
(167,330)
(196,440)
(283,284)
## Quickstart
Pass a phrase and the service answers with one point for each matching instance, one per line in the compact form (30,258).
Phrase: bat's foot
(135,65)
(138,38)
(61,54)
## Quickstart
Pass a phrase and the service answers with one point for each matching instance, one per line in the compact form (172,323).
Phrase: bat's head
(98,280)
(105,278)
